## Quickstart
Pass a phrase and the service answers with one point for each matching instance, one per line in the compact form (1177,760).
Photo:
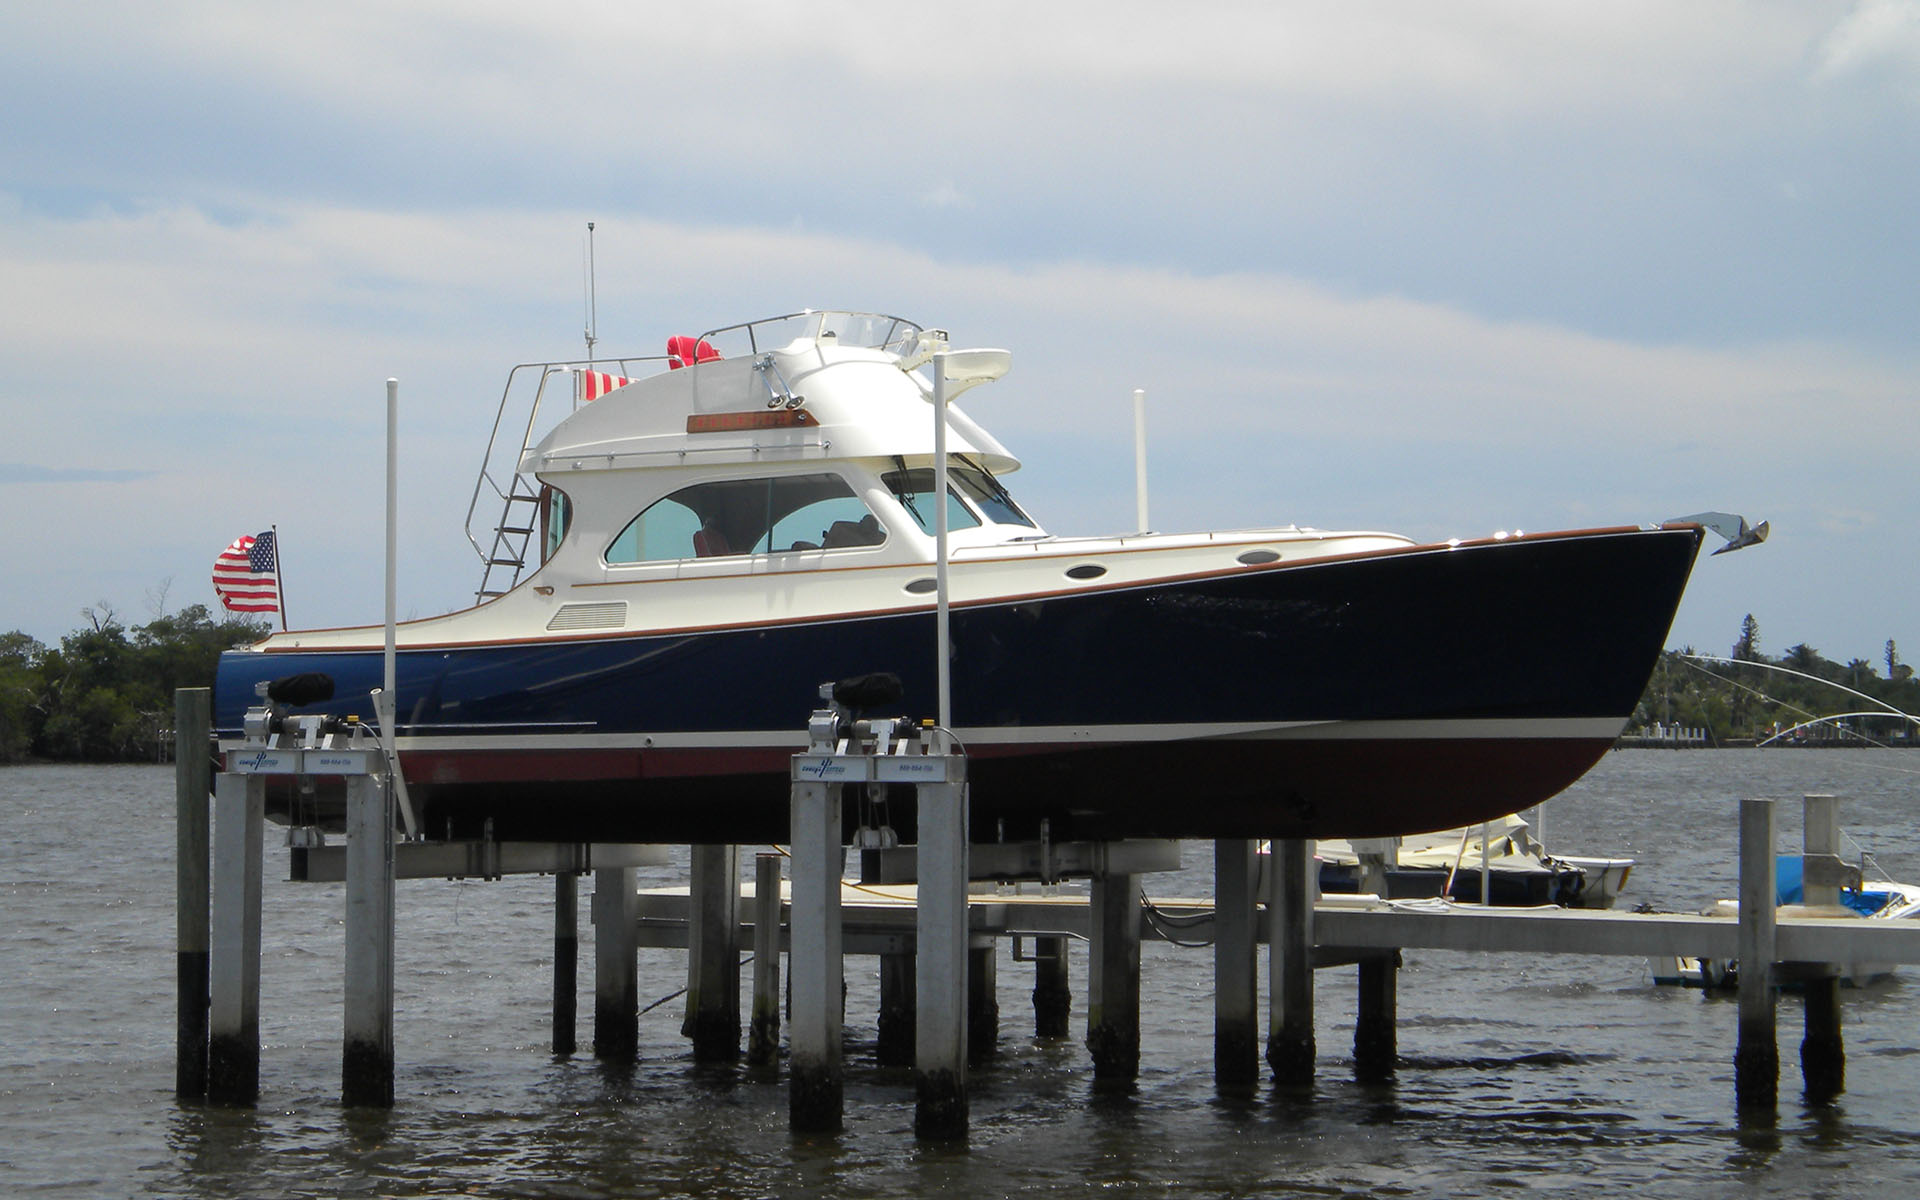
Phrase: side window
(665,530)
(748,516)
(554,514)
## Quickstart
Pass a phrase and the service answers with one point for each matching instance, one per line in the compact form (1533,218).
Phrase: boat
(1447,863)
(691,544)
(1877,900)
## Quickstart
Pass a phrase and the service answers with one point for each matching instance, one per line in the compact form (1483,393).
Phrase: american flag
(595,384)
(246,577)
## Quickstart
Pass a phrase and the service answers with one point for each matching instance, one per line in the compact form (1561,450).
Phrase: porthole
(1086,571)
(1259,558)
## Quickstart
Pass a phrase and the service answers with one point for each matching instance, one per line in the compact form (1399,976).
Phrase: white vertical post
(941,636)
(940,967)
(233,1044)
(1113,978)
(1823,1056)
(763,1031)
(1756,1056)
(713,954)
(192,723)
(813,960)
(1486,864)
(388,701)
(616,967)
(615,909)
(1140,458)
(1820,837)
(393,540)
(366,1059)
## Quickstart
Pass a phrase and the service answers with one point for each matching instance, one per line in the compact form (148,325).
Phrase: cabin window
(749,516)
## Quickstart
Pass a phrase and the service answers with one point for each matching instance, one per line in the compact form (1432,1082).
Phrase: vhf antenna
(592,316)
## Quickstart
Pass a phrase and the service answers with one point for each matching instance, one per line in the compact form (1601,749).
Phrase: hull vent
(611,614)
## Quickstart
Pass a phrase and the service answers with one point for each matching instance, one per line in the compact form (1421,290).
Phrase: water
(1558,1075)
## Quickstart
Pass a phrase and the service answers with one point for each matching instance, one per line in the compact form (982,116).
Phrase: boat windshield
(872,331)
(987,493)
(913,488)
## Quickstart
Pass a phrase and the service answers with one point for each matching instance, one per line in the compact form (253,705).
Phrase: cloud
(1877,34)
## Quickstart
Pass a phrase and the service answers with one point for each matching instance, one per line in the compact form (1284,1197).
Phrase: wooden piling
(1052,988)
(1113,979)
(1376,1049)
(894,1045)
(814,1100)
(983,1001)
(233,1041)
(566,961)
(1823,1055)
(366,1054)
(1291,886)
(616,976)
(1236,1039)
(192,782)
(763,1029)
(1756,1056)
(941,969)
(713,954)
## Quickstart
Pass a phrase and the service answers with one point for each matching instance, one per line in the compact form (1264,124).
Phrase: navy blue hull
(1500,639)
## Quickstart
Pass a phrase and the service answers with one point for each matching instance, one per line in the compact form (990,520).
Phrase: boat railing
(529,408)
(873,331)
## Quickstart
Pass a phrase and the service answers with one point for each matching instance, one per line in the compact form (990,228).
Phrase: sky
(1434,269)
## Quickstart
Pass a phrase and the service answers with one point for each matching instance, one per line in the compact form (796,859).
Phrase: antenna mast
(592,314)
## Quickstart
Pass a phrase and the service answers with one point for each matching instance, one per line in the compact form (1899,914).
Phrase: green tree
(1803,658)
(1747,649)
(20,708)
(107,696)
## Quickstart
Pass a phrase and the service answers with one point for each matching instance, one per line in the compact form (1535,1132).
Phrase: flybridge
(539,396)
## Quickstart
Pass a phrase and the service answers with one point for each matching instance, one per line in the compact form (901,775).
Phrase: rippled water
(1558,1075)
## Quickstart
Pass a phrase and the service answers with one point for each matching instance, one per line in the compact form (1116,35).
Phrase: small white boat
(1448,863)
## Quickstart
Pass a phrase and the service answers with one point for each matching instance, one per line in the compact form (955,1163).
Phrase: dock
(940,923)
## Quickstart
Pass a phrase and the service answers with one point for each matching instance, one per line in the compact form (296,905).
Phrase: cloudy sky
(1436,269)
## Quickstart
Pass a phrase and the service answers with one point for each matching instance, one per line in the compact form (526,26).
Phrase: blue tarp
(1788,889)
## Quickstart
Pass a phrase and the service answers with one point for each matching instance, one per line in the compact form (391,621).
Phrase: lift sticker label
(825,768)
(264,762)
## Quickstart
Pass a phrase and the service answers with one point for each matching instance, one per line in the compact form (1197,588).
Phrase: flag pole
(593,322)
(279,585)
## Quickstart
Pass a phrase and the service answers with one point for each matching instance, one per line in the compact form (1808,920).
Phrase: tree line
(1747,696)
(105,693)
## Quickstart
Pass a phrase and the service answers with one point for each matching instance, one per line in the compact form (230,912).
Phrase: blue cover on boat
(1788,889)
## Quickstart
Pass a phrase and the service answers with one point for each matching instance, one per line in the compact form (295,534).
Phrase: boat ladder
(512,536)
(506,549)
